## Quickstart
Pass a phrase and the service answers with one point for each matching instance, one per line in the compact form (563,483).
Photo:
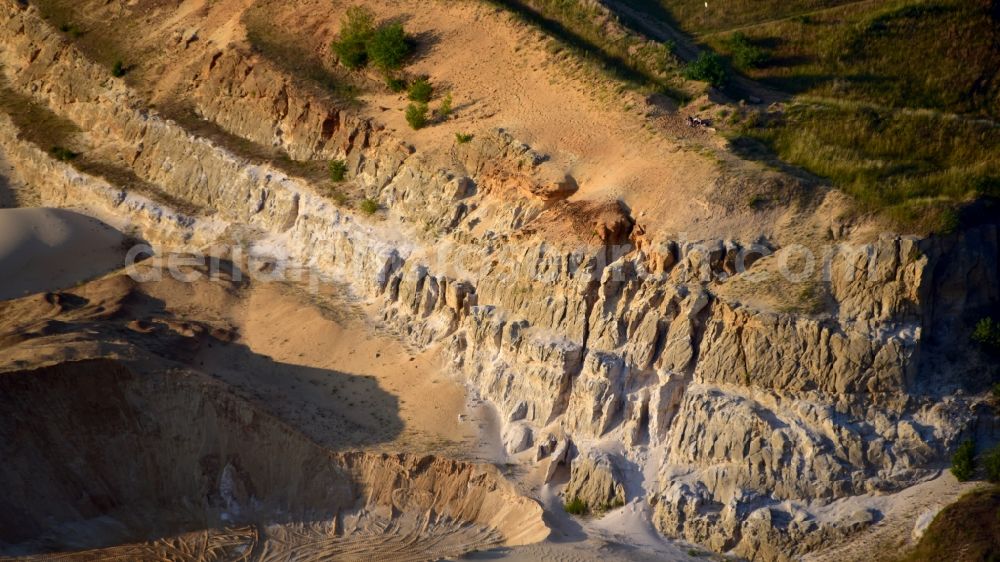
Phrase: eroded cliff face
(562,312)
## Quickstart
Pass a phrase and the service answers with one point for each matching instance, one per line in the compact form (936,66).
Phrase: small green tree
(421,90)
(338,170)
(356,29)
(963,462)
(991,462)
(445,110)
(416,115)
(708,67)
(388,47)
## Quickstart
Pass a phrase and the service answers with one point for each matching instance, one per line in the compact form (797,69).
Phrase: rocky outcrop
(596,481)
(563,313)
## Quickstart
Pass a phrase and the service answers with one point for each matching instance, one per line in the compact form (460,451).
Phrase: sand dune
(48,249)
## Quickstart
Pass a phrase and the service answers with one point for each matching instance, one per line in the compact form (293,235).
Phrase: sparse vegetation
(292,56)
(338,196)
(368,206)
(338,170)
(576,506)
(963,462)
(420,90)
(118,69)
(463,138)
(708,67)
(416,115)
(987,334)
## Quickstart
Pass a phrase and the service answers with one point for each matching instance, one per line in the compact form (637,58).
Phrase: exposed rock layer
(559,311)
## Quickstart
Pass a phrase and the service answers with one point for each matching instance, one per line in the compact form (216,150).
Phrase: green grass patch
(576,506)
(463,138)
(917,167)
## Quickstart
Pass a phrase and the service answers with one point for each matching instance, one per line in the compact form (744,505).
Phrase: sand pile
(48,249)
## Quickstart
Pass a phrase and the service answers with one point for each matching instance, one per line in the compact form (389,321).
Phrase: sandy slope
(47,249)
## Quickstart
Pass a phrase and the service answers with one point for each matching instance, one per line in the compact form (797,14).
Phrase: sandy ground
(48,249)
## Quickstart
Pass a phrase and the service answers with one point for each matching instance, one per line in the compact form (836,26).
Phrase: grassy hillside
(893,101)
(965,531)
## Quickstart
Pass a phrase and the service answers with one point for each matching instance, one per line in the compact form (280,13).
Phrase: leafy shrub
(368,206)
(388,47)
(395,84)
(708,67)
(356,29)
(991,462)
(62,154)
(987,334)
(576,506)
(118,70)
(421,90)
(416,115)
(745,54)
(338,170)
(462,138)
(445,110)
(963,463)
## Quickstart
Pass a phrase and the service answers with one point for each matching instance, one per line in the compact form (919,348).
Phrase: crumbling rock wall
(565,316)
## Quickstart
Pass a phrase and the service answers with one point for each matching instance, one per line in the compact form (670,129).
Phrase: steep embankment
(98,456)
(750,401)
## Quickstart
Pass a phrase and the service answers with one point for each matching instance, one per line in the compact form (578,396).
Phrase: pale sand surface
(47,249)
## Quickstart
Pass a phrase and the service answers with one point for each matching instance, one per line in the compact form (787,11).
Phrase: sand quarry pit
(172,466)
(228,420)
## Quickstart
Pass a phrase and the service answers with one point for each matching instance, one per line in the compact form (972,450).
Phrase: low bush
(462,138)
(118,70)
(708,67)
(576,506)
(395,84)
(963,462)
(987,334)
(745,54)
(338,170)
(420,90)
(416,115)
(445,110)
(368,206)
(991,462)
